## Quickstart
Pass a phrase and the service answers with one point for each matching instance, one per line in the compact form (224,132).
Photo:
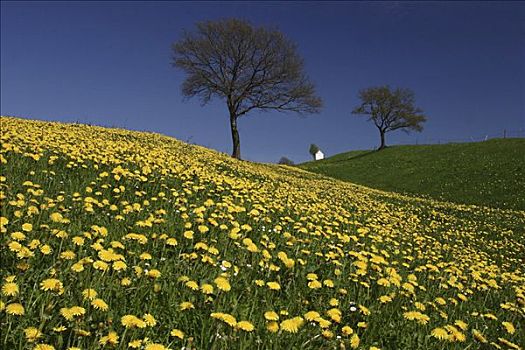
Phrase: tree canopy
(390,109)
(248,67)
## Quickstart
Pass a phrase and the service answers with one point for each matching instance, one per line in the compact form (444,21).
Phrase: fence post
(504,133)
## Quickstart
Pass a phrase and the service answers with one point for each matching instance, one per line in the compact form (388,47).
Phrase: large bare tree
(247,66)
(390,109)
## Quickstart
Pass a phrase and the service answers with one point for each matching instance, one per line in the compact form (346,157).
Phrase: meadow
(489,173)
(118,239)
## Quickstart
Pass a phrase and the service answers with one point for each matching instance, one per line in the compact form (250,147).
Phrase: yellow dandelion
(56,217)
(327,334)
(27,227)
(112,339)
(44,347)
(131,321)
(273,285)
(207,289)
(51,284)
(100,304)
(461,324)
(177,333)
(32,334)
(229,319)
(68,255)
(119,266)
(222,283)
(186,305)
(439,333)
(89,294)
(15,309)
(155,346)
(417,316)
(292,325)
(354,341)
(315,284)
(149,320)
(10,289)
(311,315)
(272,327)
(271,316)
(385,299)
(478,336)
(245,326)
(347,330)
(135,344)
(192,285)
(509,327)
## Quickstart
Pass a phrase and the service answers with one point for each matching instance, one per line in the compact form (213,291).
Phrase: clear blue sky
(109,63)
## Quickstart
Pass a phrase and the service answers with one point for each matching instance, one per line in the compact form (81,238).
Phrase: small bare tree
(390,110)
(248,67)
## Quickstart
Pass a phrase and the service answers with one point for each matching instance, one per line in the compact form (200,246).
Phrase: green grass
(150,224)
(490,173)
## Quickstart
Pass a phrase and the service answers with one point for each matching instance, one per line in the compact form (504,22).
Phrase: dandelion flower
(347,330)
(100,304)
(478,336)
(271,316)
(273,285)
(229,319)
(292,325)
(417,316)
(315,284)
(44,347)
(192,285)
(311,315)
(509,327)
(135,344)
(149,320)
(32,334)
(245,326)
(222,283)
(131,321)
(15,309)
(461,324)
(186,305)
(51,284)
(207,288)
(155,346)
(177,333)
(272,327)
(440,333)
(112,339)
(354,341)
(89,294)
(10,289)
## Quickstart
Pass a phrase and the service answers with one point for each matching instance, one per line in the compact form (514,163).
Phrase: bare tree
(249,67)
(390,110)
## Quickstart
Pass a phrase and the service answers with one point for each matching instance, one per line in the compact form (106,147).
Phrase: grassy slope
(490,173)
(133,197)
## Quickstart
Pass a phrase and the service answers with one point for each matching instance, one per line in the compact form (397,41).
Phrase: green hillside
(114,239)
(490,173)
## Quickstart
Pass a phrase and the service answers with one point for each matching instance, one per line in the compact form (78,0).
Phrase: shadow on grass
(355,157)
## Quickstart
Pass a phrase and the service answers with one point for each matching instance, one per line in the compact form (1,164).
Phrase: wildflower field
(120,239)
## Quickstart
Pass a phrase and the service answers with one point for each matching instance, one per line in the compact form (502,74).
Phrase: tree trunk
(382,145)
(236,153)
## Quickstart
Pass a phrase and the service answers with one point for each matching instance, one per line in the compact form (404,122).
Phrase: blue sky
(108,63)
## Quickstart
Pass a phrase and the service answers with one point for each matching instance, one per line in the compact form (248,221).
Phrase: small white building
(319,155)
